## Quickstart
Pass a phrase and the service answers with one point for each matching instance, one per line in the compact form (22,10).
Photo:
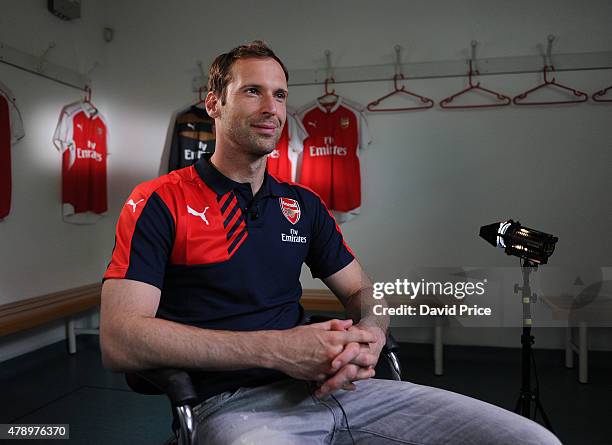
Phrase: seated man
(205,276)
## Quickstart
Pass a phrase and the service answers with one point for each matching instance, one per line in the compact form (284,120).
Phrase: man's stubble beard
(244,136)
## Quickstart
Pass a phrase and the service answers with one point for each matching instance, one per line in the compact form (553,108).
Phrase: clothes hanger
(329,98)
(505,100)
(518,100)
(597,96)
(548,67)
(87,100)
(426,102)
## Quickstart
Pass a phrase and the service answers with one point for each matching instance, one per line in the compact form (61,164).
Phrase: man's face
(255,107)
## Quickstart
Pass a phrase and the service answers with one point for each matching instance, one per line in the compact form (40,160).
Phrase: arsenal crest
(291,209)
(344,123)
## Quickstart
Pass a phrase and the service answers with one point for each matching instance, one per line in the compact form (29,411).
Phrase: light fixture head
(519,241)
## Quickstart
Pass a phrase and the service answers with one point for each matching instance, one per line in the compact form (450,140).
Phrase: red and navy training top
(223,258)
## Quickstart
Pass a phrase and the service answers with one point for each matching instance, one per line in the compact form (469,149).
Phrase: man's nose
(269,104)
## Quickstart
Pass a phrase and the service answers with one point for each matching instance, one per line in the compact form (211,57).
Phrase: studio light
(533,248)
(528,244)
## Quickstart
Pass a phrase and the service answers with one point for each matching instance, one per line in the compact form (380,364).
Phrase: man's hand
(306,352)
(355,362)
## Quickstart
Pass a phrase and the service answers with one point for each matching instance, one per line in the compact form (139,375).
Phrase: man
(205,276)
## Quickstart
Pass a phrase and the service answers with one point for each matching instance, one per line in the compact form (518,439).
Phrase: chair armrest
(391,345)
(175,383)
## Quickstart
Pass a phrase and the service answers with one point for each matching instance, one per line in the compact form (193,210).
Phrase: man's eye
(251,90)
(282,96)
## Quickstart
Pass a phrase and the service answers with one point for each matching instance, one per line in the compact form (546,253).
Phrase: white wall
(38,252)
(430,178)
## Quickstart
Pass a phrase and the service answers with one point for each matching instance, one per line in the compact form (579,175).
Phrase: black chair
(176,384)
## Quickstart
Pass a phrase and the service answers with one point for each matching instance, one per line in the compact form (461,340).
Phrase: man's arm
(132,338)
(354,289)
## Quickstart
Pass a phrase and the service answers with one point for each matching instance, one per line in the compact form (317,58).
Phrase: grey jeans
(378,412)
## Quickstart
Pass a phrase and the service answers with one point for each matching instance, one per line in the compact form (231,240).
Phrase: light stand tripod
(528,396)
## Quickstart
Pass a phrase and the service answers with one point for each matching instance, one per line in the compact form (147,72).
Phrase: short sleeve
(17,131)
(328,253)
(364,132)
(143,240)
(107,138)
(62,137)
(297,133)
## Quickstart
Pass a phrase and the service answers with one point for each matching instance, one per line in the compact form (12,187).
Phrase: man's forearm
(146,343)
(360,308)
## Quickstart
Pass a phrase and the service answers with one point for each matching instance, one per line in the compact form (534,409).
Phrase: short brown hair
(219,74)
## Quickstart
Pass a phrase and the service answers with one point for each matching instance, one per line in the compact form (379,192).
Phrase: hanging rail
(39,66)
(454,68)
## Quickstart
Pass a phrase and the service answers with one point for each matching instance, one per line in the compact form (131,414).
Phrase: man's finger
(360,336)
(348,374)
(365,359)
(333,325)
(350,352)
(349,387)
(340,325)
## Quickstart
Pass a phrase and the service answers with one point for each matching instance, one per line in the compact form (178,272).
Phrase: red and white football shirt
(282,162)
(81,137)
(330,158)
(11,131)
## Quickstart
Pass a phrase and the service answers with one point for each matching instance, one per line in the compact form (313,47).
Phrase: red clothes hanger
(427,102)
(583,97)
(324,100)
(328,94)
(548,66)
(87,100)
(505,100)
(601,93)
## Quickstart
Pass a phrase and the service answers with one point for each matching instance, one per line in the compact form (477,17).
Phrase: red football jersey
(11,131)
(282,162)
(81,137)
(330,158)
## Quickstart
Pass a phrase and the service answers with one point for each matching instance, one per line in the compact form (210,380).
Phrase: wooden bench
(32,312)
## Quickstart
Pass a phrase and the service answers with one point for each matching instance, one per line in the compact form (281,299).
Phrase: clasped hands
(355,362)
(334,353)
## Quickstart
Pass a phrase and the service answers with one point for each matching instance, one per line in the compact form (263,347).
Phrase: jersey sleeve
(328,252)
(297,133)
(143,239)
(106,134)
(365,138)
(17,131)
(299,117)
(62,137)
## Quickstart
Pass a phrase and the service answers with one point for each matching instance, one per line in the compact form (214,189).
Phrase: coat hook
(548,60)
(330,73)
(398,60)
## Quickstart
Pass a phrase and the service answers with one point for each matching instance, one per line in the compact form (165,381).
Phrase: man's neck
(240,167)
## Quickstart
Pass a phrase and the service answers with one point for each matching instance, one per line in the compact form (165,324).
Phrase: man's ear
(212,103)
